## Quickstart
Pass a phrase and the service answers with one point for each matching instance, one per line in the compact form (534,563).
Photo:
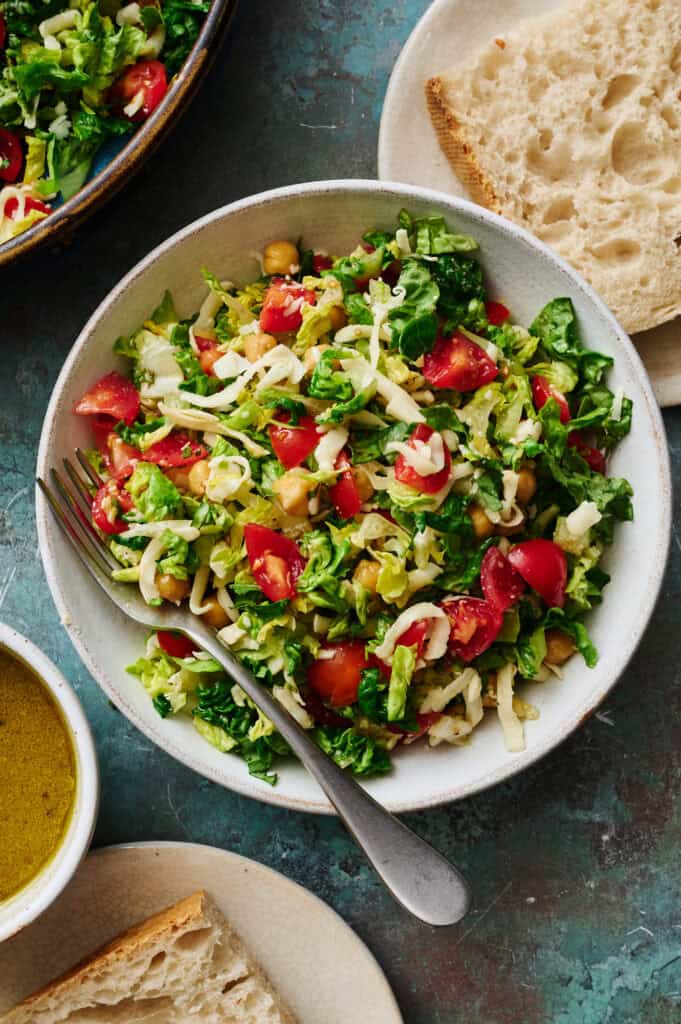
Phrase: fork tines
(71,506)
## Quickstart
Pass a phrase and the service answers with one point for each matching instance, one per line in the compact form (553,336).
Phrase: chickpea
(366,574)
(559,646)
(215,615)
(179,476)
(338,317)
(172,589)
(527,485)
(363,483)
(255,346)
(312,357)
(281,258)
(482,526)
(197,478)
(292,491)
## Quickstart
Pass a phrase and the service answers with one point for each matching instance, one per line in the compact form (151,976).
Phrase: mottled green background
(575,865)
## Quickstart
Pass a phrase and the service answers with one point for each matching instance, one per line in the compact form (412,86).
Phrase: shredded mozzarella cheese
(438,627)
(514,736)
(329,448)
(583,518)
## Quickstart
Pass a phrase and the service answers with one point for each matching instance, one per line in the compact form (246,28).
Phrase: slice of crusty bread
(184,964)
(571,126)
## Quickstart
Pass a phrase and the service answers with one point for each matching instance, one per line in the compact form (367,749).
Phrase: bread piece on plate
(184,964)
(571,126)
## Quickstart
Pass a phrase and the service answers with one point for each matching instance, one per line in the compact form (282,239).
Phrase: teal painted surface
(575,865)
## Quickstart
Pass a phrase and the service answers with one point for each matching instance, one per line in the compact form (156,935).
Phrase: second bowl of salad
(87,90)
(398,455)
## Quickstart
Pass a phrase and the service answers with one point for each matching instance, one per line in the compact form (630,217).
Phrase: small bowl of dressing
(49,782)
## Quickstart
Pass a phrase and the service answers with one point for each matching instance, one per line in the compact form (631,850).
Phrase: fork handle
(418,877)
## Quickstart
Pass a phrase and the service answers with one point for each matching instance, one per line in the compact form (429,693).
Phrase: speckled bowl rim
(144,141)
(76,841)
(402,194)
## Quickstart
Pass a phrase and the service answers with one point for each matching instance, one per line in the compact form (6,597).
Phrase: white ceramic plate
(448,30)
(522,271)
(314,960)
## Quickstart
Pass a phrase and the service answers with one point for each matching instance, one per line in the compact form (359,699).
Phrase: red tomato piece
(543,565)
(30,204)
(114,396)
(209,353)
(415,636)
(474,625)
(320,262)
(592,456)
(276,562)
(406,474)
(147,77)
(122,457)
(458,363)
(336,675)
(344,493)
(321,714)
(11,155)
(542,390)
(293,444)
(282,309)
(501,584)
(175,450)
(174,644)
(107,505)
(496,313)
(3,32)
(102,427)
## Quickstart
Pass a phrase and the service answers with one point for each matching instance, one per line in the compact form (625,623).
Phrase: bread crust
(452,138)
(191,908)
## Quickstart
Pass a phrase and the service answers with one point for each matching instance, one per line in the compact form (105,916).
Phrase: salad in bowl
(390,500)
(76,79)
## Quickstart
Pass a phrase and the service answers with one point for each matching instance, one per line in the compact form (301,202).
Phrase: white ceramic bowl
(522,271)
(26,905)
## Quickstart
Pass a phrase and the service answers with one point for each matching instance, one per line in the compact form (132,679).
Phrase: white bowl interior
(522,272)
(29,902)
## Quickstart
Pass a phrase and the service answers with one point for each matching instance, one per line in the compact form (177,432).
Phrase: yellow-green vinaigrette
(37,775)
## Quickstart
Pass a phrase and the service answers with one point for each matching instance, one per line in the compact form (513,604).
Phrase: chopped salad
(389,499)
(74,78)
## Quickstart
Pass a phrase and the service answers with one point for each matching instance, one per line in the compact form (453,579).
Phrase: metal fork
(418,877)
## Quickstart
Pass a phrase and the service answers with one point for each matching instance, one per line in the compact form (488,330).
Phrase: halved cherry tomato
(123,457)
(415,636)
(282,308)
(543,565)
(209,353)
(293,444)
(3,32)
(592,456)
(102,426)
(276,562)
(319,711)
(458,363)
(30,204)
(406,474)
(109,501)
(496,313)
(11,155)
(147,77)
(344,493)
(542,390)
(336,675)
(175,450)
(474,623)
(174,644)
(320,262)
(114,396)
(501,584)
